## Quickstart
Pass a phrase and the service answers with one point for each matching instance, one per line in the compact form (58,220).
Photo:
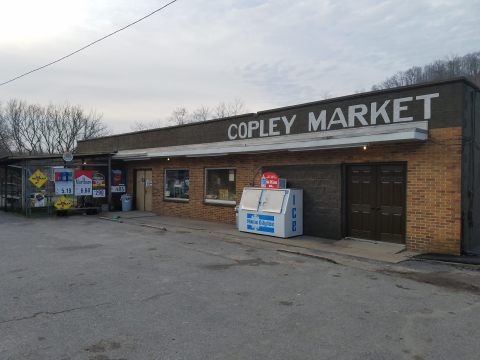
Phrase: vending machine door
(273,201)
(250,199)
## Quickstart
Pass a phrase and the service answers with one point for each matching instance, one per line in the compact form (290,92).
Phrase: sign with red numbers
(83,182)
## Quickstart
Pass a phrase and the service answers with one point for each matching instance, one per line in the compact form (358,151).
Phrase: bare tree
(33,129)
(180,116)
(5,140)
(24,124)
(223,109)
(236,107)
(141,126)
(201,114)
(450,67)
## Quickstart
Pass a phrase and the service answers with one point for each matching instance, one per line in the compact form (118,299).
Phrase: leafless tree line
(54,129)
(454,66)
(182,116)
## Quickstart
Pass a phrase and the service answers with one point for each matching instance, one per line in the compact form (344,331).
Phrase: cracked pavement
(84,288)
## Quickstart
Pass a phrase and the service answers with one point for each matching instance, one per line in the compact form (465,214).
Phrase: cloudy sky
(268,53)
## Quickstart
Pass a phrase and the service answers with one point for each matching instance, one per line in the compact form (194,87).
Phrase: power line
(88,45)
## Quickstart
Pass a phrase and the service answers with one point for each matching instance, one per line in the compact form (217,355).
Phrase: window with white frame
(220,186)
(177,184)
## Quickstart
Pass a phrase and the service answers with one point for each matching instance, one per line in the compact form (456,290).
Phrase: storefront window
(176,184)
(220,186)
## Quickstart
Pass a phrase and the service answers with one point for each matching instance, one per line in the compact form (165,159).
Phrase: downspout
(472,150)
(474,163)
(468,226)
(470,191)
(24,187)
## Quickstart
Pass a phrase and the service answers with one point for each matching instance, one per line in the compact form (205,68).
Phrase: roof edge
(376,92)
(460,79)
(170,127)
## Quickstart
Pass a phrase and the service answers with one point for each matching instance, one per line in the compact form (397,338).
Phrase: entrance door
(376,196)
(143,192)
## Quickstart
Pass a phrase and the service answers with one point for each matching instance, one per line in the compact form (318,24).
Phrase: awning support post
(109,190)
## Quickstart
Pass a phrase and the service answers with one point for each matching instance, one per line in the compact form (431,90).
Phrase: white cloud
(268,53)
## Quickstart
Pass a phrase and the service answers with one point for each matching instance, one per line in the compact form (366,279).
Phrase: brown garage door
(376,196)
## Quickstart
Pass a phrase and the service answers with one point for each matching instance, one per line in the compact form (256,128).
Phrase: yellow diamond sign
(63,203)
(38,178)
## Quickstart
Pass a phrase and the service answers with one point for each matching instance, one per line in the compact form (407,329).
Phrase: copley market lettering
(261,127)
(374,113)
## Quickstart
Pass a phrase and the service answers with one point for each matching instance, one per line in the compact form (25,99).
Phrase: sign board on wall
(83,182)
(98,185)
(38,178)
(63,181)
(63,203)
(118,181)
(326,117)
(38,200)
(269,180)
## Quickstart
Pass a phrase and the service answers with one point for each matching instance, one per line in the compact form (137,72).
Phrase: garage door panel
(378,192)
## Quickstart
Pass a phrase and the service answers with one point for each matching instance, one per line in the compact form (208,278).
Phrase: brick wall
(433,184)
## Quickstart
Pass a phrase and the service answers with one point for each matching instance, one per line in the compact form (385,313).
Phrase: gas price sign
(63,181)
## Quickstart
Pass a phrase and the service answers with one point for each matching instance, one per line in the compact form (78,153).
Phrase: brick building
(399,165)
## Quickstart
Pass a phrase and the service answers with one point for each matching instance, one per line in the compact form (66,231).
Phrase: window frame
(216,201)
(183,200)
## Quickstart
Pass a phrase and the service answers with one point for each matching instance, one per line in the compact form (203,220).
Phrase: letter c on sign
(230,135)
(242,130)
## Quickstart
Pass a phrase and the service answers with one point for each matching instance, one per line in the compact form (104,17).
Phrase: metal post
(109,184)
(24,187)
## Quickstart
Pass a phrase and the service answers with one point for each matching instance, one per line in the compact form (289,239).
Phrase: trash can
(126,202)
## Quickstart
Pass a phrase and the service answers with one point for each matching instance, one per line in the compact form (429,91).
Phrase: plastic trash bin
(126,202)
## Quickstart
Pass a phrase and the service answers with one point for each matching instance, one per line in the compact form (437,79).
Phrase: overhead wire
(88,45)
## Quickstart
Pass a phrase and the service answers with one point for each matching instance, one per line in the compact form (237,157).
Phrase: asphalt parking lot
(85,288)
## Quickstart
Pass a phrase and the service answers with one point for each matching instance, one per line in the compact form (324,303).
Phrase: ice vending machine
(275,212)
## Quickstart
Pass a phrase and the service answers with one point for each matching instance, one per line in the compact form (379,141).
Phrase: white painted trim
(222,202)
(344,138)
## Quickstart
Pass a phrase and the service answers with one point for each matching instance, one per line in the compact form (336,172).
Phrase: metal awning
(333,139)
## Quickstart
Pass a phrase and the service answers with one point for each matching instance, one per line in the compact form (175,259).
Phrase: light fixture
(364,147)
(168,159)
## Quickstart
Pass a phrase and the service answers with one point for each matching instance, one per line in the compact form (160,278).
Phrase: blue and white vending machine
(275,212)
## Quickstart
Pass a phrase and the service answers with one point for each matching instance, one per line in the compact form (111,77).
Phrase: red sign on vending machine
(269,180)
